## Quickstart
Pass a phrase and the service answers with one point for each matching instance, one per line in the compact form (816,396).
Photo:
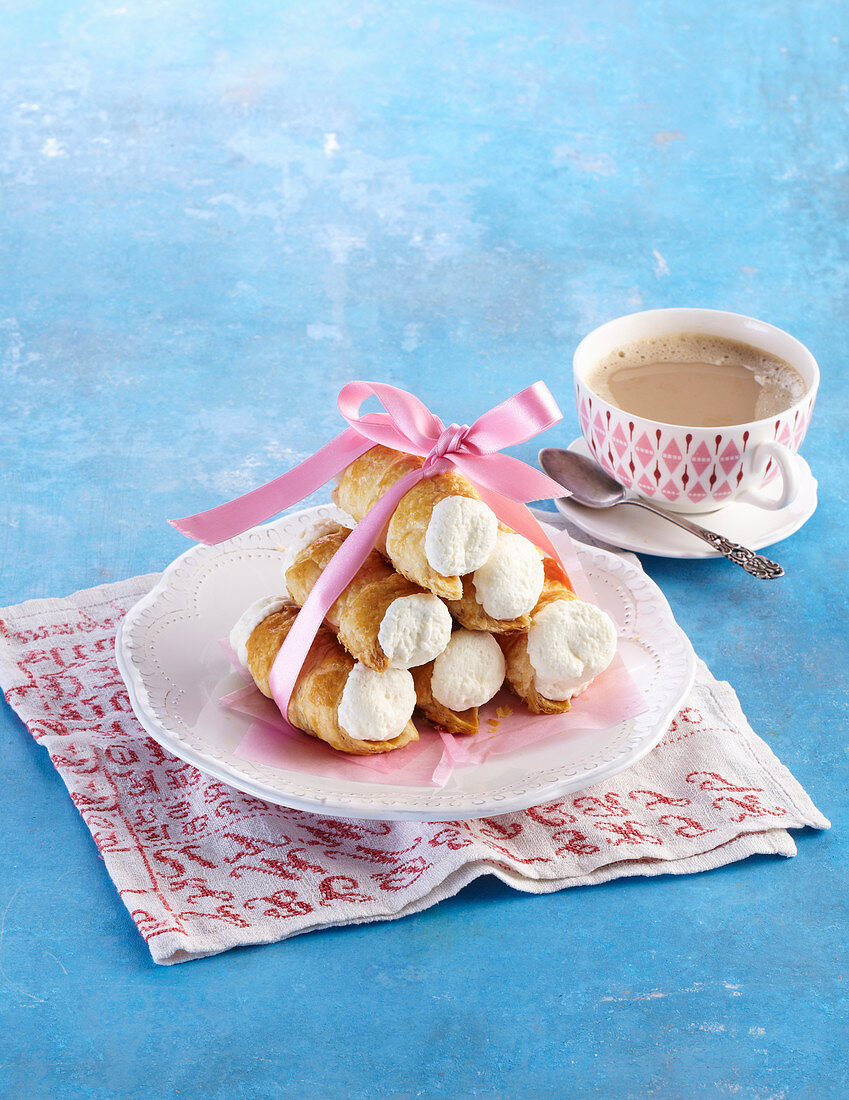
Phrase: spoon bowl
(587,483)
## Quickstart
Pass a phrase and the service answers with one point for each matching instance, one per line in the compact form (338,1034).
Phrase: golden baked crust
(358,612)
(365,481)
(314,706)
(555,586)
(452,721)
(367,478)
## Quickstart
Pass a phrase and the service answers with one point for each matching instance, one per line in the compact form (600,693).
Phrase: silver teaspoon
(594,488)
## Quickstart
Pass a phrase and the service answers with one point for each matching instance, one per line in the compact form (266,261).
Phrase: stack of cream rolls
(449,606)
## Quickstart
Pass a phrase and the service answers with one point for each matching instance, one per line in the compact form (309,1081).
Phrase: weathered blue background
(214,214)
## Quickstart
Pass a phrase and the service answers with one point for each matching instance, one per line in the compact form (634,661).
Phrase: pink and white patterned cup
(691,469)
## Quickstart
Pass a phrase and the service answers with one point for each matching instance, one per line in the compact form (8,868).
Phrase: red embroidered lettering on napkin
(202,867)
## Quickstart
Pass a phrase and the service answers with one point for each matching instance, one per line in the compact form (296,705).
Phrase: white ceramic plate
(638,530)
(169,655)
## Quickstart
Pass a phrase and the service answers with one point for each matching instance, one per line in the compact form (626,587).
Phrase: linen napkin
(202,867)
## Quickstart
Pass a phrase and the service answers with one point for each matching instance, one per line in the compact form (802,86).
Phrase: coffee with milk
(695,379)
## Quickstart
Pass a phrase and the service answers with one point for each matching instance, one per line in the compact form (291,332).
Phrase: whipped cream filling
(509,582)
(460,536)
(376,706)
(249,620)
(469,671)
(414,630)
(569,643)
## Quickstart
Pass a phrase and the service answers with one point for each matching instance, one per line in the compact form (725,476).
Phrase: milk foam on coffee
(695,379)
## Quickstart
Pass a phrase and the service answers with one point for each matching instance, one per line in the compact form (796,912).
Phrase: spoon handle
(753,563)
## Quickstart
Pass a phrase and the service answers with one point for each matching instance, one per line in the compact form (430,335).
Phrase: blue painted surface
(213,215)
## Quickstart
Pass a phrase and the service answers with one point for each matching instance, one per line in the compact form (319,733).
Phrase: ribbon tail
(334,579)
(520,518)
(230,519)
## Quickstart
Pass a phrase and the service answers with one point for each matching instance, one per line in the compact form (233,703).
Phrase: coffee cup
(685,467)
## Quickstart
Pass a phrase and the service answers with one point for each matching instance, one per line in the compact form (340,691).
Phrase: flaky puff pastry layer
(452,721)
(314,706)
(364,482)
(520,675)
(358,612)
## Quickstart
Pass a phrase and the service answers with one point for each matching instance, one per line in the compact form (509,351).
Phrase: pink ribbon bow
(504,483)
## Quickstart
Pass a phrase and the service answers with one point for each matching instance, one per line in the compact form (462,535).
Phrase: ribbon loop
(407,425)
(515,420)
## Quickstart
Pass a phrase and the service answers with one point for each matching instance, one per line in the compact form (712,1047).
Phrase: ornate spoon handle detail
(753,563)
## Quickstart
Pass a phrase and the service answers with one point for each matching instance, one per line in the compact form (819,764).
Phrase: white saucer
(639,530)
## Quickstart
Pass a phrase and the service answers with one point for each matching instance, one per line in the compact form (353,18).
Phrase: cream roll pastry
(568,643)
(501,594)
(335,699)
(440,529)
(381,618)
(467,674)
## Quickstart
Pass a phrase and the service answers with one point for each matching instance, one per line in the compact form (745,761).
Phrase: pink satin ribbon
(504,483)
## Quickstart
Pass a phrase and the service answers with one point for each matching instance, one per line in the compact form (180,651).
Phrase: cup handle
(788,465)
